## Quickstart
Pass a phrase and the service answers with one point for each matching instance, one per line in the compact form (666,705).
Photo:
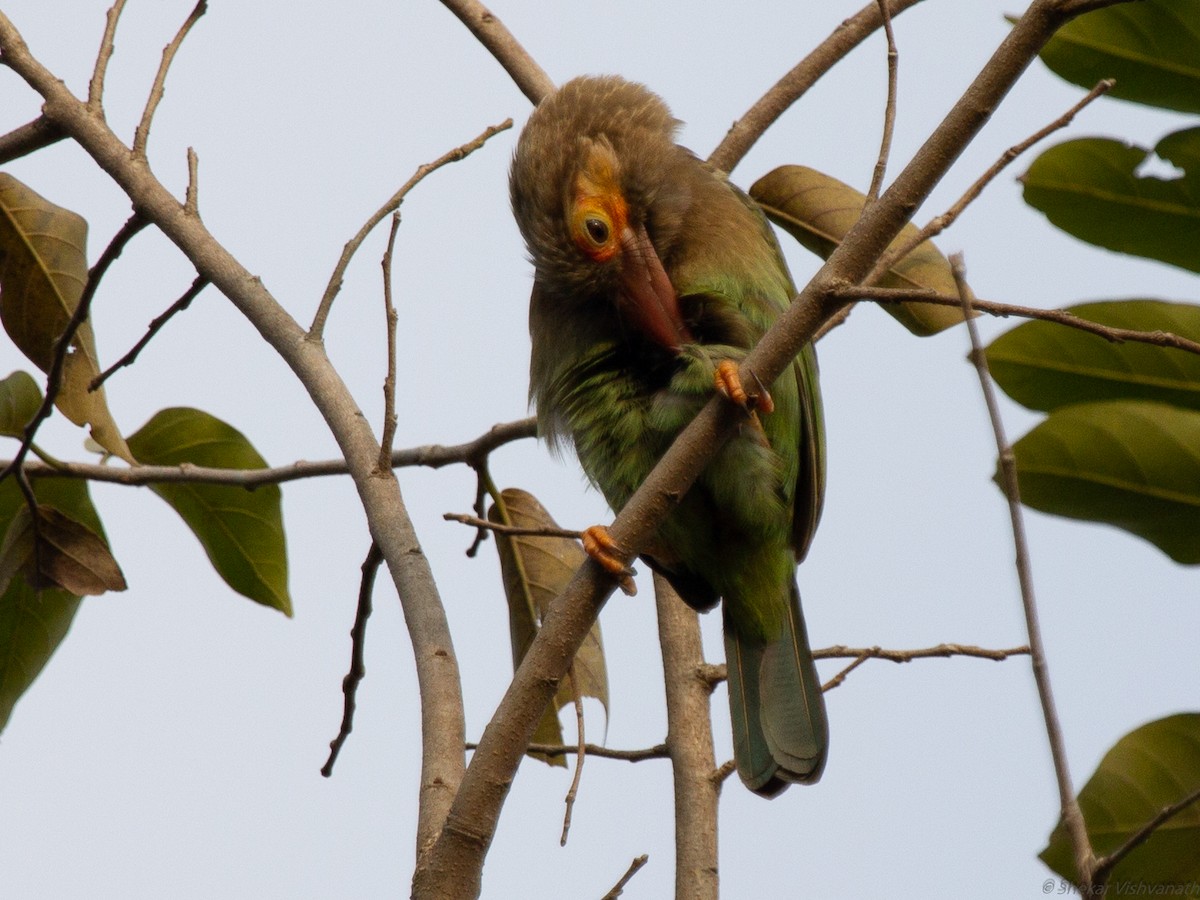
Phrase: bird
(654,276)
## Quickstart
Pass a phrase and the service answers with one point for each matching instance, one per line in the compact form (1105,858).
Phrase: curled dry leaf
(59,553)
(535,571)
(818,210)
(43,271)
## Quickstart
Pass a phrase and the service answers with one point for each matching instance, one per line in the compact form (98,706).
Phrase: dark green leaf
(1128,463)
(535,570)
(817,210)
(20,399)
(33,623)
(1147,770)
(1151,48)
(241,530)
(1043,365)
(1090,189)
(43,271)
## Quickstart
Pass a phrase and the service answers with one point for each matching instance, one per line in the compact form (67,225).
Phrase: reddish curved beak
(648,298)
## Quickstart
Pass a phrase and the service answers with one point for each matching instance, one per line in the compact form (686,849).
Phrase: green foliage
(1145,772)
(241,530)
(1151,48)
(1091,189)
(33,622)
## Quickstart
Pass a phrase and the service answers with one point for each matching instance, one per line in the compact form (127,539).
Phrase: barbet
(653,278)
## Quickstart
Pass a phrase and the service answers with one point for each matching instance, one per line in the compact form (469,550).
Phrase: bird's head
(596,195)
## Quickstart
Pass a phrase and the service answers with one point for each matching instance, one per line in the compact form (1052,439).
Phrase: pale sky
(171,747)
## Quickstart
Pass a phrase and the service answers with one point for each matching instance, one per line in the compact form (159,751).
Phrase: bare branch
(316,331)
(514,530)
(1085,857)
(388,434)
(938,224)
(498,40)
(889,112)
(658,751)
(199,283)
(775,102)
(433,456)
(580,756)
(142,133)
(95,100)
(619,887)
(29,138)
(441,708)
(690,741)
(358,668)
(191,198)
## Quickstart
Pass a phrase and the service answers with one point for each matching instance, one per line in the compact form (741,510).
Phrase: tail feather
(781,735)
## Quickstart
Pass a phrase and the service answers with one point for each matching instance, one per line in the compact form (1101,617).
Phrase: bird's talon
(728,381)
(600,546)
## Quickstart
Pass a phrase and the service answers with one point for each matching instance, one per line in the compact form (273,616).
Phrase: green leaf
(1044,365)
(43,271)
(33,623)
(1151,48)
(241,530)
(20,399)
(817,210)
(535,571)
(1090,189)
(1147,770)
(1128,463)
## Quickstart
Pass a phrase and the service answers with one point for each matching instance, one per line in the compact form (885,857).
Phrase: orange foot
(600,546)
(728,381)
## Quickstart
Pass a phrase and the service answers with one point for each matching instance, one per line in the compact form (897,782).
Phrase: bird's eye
(597,230)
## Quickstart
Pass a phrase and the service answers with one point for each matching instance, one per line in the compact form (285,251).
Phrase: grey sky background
(171,748)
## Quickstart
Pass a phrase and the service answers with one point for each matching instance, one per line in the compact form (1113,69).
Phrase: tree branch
(690,743)
(1085,857)
(142,133)
(442,726)
(499,41)
(775,102)
(29,138)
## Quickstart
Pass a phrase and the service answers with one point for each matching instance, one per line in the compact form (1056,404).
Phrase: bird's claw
(600,546)
(728,381)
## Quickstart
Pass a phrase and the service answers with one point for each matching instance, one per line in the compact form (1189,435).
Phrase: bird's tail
(780,734)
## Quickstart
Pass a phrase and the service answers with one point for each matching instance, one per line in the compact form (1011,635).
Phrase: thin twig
(1106,864)
(1059,316)
(95,98)
(531,78)
(1085,857)
(889,112)
(155,326)
(721,774)
(388,434)
(658,751)
(775,102)
(619,887)
(940,223)
(513,530)
(142,133)
(191,199)
(580,756)
(840,677)
(714,673)
(316,331)
(433,456)
(358,668)
(62,344)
